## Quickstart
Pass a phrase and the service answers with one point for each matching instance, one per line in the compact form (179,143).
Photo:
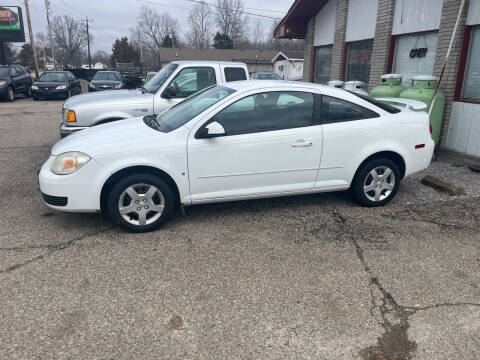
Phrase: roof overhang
(294,24)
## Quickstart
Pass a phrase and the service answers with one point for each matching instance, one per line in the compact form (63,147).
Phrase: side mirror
(169,92)
(213,129)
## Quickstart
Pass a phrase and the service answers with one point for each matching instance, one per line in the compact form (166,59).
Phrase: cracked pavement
(307,277)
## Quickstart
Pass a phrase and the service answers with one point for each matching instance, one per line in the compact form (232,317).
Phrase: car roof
(207,62)
(246,85)
(266,73)
(107,71)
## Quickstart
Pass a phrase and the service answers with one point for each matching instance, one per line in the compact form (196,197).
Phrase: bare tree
(258,35)
(70,37)
(200,20)
(231,19)
(154,27)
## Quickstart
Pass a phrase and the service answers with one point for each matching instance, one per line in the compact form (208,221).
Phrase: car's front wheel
(28,92)
(376,182)
(10,94)
(141,202)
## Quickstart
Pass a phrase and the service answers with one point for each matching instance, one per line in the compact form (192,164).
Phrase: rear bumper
(67,130)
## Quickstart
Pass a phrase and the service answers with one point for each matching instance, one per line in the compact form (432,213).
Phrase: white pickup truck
(174,82)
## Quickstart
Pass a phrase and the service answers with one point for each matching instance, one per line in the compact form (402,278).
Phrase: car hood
(42,84)
(105,82)
(115,137)
(108,98)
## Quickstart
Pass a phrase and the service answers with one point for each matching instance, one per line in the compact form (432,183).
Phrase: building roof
(245,56)
(288,55)
(294,24)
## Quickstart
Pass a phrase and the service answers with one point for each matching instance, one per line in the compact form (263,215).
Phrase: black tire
(35,98)
(28,92)
(135,180)
(362,179)
(10,94)
(69,94)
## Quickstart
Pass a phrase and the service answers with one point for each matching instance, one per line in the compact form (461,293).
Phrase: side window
(234,74)
(336,110)
(267,112)
(191,80)
(14,71)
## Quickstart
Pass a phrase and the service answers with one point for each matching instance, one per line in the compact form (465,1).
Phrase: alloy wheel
(379,183)
(11,95)
(141,204)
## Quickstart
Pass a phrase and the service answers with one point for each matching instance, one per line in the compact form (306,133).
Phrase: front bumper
(77,192)
(42,93)
(3,90)
(67,130)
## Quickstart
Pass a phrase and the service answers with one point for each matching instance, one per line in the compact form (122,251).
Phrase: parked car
(106,80)
(265,76)
(236,141)
(14,79)
(56,84)
(173,83)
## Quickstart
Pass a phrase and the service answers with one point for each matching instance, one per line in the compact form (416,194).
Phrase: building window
(359,54)
(471,81)
(323,64)
(415,55)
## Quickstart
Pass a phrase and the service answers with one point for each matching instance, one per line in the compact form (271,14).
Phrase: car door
(17,81)
(347,130)
(272,145)
(25,77)
(186,82)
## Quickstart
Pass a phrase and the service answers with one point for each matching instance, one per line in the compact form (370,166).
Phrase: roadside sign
(11,24)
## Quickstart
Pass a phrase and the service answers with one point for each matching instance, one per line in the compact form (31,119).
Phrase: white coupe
(235,141)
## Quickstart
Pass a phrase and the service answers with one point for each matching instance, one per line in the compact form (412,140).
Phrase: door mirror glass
(213,129)
(169,92)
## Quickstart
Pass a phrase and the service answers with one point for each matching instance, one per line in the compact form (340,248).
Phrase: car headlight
(61,87)
(34,87)
(69,162)
(3,82)
(118,86)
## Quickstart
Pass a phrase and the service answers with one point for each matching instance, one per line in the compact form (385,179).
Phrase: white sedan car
(241,140)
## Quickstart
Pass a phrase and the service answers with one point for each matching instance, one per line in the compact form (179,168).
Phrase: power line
(247,8)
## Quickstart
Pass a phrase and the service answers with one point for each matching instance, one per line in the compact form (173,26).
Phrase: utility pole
(52,49)
(173,41)
(88,44)
(32,44)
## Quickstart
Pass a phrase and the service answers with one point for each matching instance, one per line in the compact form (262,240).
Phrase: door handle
(301,143)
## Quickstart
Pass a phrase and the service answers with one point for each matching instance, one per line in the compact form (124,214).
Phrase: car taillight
(431,129)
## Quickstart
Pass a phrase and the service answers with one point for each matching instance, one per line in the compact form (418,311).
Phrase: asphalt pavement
(306,277)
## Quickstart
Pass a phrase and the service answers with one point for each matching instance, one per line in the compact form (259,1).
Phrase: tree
(231,19)
(10,52)
(70,37)
(124,51)
(200,21)
(222,41)
(154,27)
(257,34)
(25,56)
(101,56)
(170,42)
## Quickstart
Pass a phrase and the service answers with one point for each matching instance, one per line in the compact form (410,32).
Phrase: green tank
(390,86)
(423,88)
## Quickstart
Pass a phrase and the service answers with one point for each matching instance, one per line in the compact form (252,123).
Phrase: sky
(113,18)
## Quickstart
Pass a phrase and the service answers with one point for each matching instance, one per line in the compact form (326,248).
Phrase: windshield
(111,76)
(150,76)
(53,76)
(154,83)
(381,105)
(4,71)
(186,110)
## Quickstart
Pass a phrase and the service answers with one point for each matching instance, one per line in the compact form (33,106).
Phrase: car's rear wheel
(10,94)
(141,202)
(376,182)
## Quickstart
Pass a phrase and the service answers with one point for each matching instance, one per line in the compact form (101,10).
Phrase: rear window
(381,105)
(235,74)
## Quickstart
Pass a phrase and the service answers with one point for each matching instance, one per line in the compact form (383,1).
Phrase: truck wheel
(141,202)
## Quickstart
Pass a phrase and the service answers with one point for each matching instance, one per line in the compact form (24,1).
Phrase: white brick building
(363,39)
